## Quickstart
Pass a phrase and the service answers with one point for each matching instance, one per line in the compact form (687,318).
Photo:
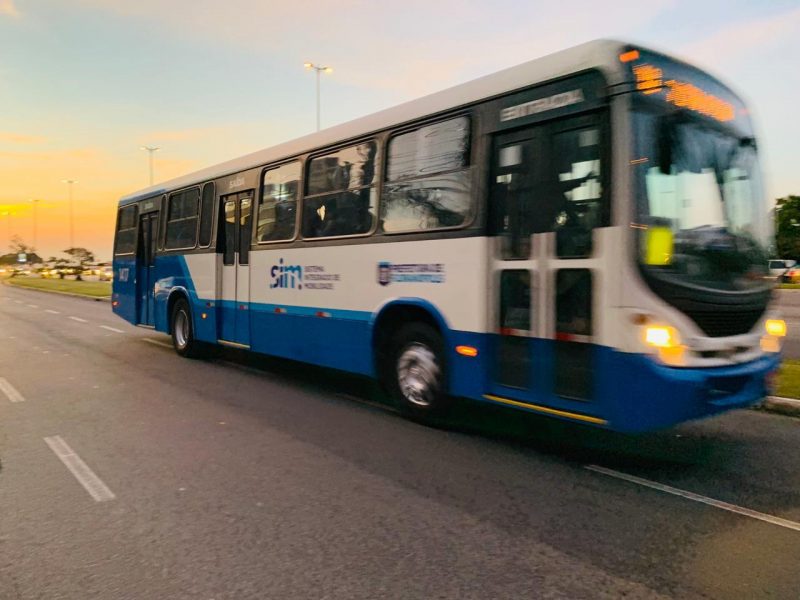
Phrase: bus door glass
(515,175)
(145,268)
(235,227)
(546,200)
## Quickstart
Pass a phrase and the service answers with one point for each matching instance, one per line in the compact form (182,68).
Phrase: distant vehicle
(777,268)
(105,273)
(792,274)
(514,240)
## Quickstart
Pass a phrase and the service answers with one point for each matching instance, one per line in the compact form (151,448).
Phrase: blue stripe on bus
(631,392)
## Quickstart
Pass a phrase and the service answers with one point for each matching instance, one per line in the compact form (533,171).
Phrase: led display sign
(680,85)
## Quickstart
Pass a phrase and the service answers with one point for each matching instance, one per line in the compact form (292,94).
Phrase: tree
(17,247)
(81,256)
(787,227)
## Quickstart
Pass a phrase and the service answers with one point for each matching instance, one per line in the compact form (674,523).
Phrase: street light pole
(70,183)
(319,69)
(150,150)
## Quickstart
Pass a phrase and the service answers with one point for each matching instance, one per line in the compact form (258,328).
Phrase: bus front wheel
(183,339)
(418,372)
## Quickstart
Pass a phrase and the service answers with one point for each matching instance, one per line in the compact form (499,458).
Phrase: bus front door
(235,225)
(546,205)
(145,268)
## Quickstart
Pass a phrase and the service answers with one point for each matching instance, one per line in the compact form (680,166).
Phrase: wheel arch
(175,294)
(392,315)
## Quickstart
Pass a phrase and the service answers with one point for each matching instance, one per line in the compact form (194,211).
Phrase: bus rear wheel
(417,374)
(183,339)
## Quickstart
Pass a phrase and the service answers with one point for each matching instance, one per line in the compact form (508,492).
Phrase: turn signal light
(776,327)
(661,336)
(470,351)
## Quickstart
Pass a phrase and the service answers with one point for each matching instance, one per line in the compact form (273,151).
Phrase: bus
(583,236)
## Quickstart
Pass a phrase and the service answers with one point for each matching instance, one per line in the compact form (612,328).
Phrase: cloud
(20,138)
(7,8)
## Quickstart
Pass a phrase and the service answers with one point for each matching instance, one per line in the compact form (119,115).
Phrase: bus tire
(417,372)
(183,339)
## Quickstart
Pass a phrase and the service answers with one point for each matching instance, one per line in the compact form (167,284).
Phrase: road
(128,472)
(788,303)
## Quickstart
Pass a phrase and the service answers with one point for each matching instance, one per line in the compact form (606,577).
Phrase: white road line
(85,476)
(33,305)
(739,510)
(157,343)
(79,320)
(10,391)
(114,329)
(51,311)
(18,301)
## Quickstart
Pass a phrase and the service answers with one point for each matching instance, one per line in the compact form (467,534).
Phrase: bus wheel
(182,331)
(418,376)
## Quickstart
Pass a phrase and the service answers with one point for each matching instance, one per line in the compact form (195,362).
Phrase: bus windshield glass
(701,213)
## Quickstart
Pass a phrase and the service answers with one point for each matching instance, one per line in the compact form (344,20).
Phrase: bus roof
(598,54)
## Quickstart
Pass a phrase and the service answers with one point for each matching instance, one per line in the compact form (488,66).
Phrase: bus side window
(577,190)
(125,242)
(340,194)
(278,206)
(206,215)
(428,178)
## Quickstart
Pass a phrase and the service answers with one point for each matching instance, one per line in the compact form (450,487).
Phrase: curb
(783,406)
(83,296)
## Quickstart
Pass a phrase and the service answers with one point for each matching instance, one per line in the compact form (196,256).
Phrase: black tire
(183,339)
(416,374)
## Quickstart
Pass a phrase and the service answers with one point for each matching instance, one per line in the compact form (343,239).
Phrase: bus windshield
(701,213)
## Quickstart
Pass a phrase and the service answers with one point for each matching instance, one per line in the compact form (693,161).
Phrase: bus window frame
(298,223)
(135,206)
(167,221)
(471,168)
(379,140)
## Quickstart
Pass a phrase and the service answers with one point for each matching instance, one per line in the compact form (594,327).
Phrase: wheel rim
(181,329)
(418,374)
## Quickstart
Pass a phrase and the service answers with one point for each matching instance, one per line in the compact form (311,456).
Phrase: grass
(94,289)
(789,286)
(789,379)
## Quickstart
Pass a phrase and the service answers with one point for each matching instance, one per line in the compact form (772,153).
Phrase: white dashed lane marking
(85,476)
(10,391)
(51,311)
(79,320)
(157,343)
(739,510)
(114,329)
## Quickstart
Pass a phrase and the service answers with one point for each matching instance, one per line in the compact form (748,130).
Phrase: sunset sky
(85,83)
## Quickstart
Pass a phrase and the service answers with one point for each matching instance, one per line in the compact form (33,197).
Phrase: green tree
(17,247)
(81,256)
(787,227)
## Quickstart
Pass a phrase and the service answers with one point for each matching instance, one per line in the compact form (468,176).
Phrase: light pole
(318,69)
(70,183)
(150,150)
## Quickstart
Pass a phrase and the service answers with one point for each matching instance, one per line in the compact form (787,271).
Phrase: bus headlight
(775,327)
(771,340)
(667,343)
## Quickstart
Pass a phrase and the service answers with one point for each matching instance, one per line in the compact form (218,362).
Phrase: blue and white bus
(582,236)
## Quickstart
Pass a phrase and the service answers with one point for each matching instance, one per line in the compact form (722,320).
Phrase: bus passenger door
(546,201)
(145,268)
(235,225)
(516,172)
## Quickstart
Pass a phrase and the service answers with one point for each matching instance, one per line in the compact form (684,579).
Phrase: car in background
(791,275)
(778,268)
(106,273)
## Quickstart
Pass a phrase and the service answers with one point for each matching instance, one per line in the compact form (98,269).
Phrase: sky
(85,83)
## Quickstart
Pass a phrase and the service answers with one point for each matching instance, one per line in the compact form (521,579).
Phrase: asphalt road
(242,477)
(788,303)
